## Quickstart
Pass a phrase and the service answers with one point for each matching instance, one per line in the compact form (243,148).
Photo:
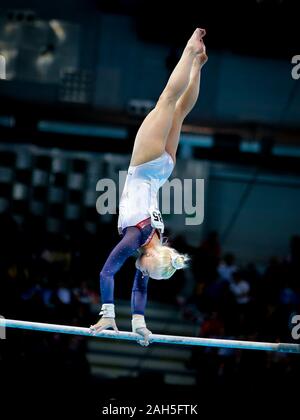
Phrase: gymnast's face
(146,262)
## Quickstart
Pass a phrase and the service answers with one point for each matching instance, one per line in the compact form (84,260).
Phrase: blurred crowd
(55,278)
(234,301)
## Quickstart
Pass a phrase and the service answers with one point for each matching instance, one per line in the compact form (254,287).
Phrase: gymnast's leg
(151,138)
(185,103)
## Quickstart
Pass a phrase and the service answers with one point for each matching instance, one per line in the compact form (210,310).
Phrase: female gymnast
(153,159)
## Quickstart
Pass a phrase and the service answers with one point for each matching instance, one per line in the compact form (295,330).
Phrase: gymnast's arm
(131,241)
(138,305)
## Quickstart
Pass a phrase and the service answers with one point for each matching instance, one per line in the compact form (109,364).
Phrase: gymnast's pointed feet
(201,58)
(196,41)
(104,324)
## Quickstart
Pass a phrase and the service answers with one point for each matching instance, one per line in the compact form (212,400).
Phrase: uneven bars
(154,338)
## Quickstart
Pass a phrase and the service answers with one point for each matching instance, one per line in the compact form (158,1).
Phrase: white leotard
(139,195)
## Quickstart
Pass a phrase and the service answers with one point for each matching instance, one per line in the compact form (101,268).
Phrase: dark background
(81,76)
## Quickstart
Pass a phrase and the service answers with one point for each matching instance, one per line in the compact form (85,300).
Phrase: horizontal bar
(154,338)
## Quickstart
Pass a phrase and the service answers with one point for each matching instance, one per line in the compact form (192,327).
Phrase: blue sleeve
(131,241)
(139,293)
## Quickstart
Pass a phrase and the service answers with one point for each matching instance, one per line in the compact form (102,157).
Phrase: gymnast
(140,223)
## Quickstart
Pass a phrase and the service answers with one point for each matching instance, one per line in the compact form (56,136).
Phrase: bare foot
(196,42)
(201,58)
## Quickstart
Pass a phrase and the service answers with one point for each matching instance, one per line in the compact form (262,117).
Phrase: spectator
(240,288)
(227,267)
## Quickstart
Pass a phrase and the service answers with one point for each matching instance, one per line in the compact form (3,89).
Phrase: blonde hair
(167,261)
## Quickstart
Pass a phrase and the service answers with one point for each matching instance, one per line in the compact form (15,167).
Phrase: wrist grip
(138,323)
(107,310)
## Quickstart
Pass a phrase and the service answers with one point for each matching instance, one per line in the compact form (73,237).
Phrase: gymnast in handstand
(140,223)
